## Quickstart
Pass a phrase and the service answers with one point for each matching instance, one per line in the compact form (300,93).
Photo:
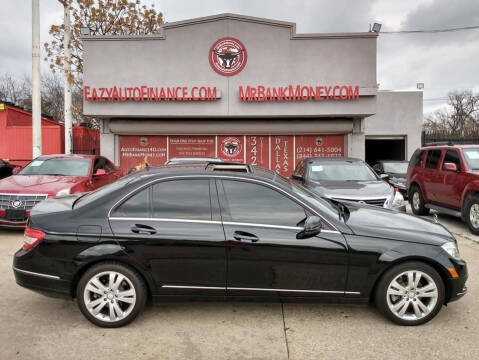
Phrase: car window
(253,203)
(395,167)
(452,156)
(182,199)
(57,166)
(432,159)
(416,158)
(137,206)
(472,158)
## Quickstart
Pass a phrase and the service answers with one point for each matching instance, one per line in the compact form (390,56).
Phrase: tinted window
(182,199)
(416,158)
(452,157)
(253,203)
(136,206)
(432,159)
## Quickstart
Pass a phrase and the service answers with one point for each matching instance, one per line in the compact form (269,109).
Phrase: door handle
(143,229)
(244,236)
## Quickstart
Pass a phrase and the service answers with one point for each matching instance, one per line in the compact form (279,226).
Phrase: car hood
(351,189)
(365,220)
(38,184)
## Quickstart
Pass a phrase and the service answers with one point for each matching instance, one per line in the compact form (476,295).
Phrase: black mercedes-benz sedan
(197,231)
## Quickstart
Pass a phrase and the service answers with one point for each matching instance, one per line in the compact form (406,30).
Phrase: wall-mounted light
(420,86)
(377,27)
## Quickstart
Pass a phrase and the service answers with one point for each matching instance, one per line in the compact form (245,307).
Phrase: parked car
(180,160)
(396,173)
(347,179)
(446,179)
(6,169)
(48,176)
(176,233)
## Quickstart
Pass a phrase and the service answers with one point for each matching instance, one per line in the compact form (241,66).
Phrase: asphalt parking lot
(36,327)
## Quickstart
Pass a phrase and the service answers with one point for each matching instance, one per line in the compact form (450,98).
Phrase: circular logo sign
(231,146)
(143,141)
(16,203)
(228,56)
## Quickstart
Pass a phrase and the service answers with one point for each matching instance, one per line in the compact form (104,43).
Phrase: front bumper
(12,224)
(457,287)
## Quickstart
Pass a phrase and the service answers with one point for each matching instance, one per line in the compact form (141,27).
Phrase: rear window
(416,158)
(432,159)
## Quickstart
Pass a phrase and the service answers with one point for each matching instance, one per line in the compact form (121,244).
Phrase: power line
(432,31)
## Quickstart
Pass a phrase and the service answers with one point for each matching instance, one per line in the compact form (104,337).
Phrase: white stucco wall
(398,113)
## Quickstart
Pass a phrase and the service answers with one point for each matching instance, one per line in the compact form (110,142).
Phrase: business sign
(145,93)
(228,56)
(298,93)
(280,153)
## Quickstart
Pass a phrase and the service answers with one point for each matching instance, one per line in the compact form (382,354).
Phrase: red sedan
(48,176)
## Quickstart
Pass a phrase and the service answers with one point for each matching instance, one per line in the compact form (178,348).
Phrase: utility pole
(36,95)
(67,77)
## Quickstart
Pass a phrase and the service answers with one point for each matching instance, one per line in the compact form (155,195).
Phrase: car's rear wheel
(411,293)
(111,294)
(417,201)
(472,213)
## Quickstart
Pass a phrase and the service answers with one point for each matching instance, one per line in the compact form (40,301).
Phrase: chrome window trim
(208,176)
(274,226)
(37,274)
(166,219)
(259,289)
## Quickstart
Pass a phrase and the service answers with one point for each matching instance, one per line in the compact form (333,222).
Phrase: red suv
(446,179)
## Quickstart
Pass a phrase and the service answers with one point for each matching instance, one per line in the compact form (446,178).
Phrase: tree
(460,115)
(102,17)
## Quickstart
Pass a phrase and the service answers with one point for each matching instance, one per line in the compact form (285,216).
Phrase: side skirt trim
(259,289)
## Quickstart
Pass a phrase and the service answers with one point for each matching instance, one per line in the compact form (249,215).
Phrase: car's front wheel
(410,293)
(111,294)
(472,213)
(417,201)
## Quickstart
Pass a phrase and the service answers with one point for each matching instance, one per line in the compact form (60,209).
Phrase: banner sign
(146,93)
(280,153)
(298,93)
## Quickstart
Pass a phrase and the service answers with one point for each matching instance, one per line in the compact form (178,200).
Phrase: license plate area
(16,214)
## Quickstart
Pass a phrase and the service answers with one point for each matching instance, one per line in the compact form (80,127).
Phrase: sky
(443,62)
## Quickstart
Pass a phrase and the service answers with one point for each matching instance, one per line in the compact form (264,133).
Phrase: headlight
(451,249)
(63,192)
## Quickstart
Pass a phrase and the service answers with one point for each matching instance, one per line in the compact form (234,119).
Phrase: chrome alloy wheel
(412,295)
(416,200)
(474,215)
(109,296)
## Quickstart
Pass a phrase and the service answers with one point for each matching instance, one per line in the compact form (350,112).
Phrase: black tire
(381,296)
(420,209)
(471,200)
(132,279)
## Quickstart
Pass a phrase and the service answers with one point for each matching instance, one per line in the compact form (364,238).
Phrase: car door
(453,182)
(432,177)
(173,229)
(264,256)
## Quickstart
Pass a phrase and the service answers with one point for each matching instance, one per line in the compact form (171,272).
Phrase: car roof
(446,146)
(68,156)
(333,159)
(188,169)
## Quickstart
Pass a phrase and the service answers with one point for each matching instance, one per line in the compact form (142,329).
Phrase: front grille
(27,202)
(375,202)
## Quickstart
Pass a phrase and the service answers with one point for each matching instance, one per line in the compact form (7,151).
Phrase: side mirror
(384,177)
(297,176)
(312,227)
(449,167)
(16,170)
(100,172)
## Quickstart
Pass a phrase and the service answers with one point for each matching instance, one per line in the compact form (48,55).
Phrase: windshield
(57,166)
(395,167)
(323,205)
(340,171)
(472,158)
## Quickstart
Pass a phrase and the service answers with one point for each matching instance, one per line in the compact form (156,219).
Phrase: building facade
(244,89)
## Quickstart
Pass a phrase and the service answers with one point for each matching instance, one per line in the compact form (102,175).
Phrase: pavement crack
(284,330)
